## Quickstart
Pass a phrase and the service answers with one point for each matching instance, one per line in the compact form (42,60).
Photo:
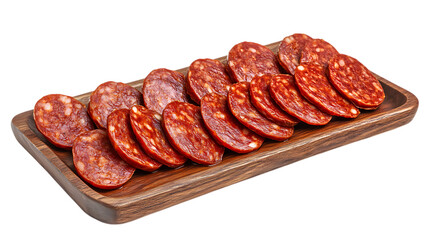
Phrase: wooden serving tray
(146,193)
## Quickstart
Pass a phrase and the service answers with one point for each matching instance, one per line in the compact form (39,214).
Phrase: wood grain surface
(146,193)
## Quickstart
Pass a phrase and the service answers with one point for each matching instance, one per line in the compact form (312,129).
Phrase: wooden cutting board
(146,193)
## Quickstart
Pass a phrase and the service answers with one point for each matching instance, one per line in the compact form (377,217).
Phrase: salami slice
(225,128)
(290,50)
(355,82)
(315,87)
(97,162)
(249,59)
(61,119)
(184,128)
(241,107)
(262,101)
(287,96)
(161,87)
(124,141)
(110,96)
(148,130)
(207,76)
(318,51)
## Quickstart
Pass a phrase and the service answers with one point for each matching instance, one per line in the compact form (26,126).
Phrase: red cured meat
(148,130)
(318,51)
(185,130)
(315,87)
(124,142)
(110,96)
(355,82)
(97,162)
(161,87)
(288,97)
(262,101)
(207,76)
(61,119)
(225,128)
(248,59)
(241,107)
(290,50)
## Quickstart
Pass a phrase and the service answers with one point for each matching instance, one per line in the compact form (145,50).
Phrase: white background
(377,188)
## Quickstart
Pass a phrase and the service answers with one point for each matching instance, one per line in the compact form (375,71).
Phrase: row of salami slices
(258,94)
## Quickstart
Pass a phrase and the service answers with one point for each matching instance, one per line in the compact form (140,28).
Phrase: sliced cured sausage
(355,82)
(290,51)
(149,133)
(249,59)
(318,51)
(207,76)
(287,96)
(225,128)
(315,87)
(97,162)
(61,119)
(124,142)
(262,101)
(241,107)
(161,87)
(110,96)
(184,128)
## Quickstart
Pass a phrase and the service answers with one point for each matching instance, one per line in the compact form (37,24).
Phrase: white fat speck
(252,50)
(68,111)
(341,62)
(111,128)
(65,99)
(354,111)
(47,107)
(300,68)
(134,109)
(80,166)
(219,115)
(148,126)
(252,145)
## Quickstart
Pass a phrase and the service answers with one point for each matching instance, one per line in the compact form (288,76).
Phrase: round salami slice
(290,51)
(161,87)
(262,101)
(355,82)
(287,96)
(184,128)
(61,119)
(315,87)
(148,130)
(241,107)
(207,76)
(318,51)
(225,128)
(97,162)
(249,59)
(110,96)
(124,142)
